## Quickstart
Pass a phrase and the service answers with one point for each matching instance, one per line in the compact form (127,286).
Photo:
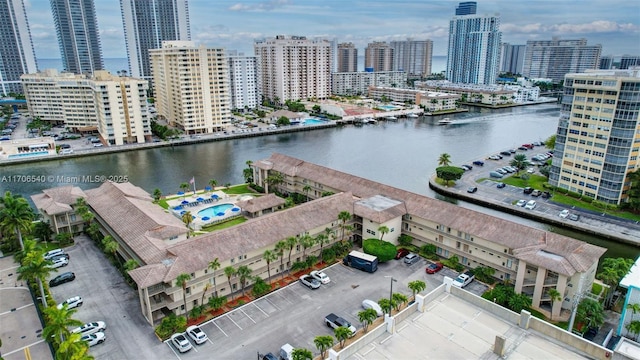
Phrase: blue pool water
(311,121)
(31,154)
(388,107)
(213,211)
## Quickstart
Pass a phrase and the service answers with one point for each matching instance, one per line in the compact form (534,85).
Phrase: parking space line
(16,309)
(22,348)
(229,317)
(247,315)
(257,307)
(272,304)
(172,350)
(219,328)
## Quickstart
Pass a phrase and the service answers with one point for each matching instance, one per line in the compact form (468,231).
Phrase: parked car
(53,253)
(334,321)
(62,256)
(574,217)
(505,153)
(546,195)
(500,185)
(411,258)
(521,203)
(536,193)
(527,190)
(495,174)
(181,342)
(309,282)
(401,253)
(71,303)
(478,163)
(58,262)
(62,278)
(531,170)
(196,334)
(94,339)
(530,205)
(466,167)
(433,268)
(320,276)
(269,356)
(564,213)
(370,304)
(472,189)
(90,328)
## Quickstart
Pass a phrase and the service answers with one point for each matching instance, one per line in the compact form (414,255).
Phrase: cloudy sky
(235,24)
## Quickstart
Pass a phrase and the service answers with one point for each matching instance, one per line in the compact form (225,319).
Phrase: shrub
(328,255)
(217,302)
(170,325)
(405,240)
(260,287)
(311,260)
(196,312)
(384,250)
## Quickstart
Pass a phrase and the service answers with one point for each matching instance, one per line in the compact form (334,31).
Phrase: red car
(402,253)
(433,268)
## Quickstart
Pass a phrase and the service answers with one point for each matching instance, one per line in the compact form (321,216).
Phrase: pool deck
(200,201)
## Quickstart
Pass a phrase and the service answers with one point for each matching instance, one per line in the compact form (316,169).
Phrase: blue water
(213,211)
(388,107)
(311,121)
(32,154)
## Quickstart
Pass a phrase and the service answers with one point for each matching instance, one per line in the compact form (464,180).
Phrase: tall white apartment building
(413,56)
(512,58)
(474,49)
(357,83)
(243,81)
(598,134)
(16,50)
(293,68)
(116,107)
(191,86)
(555,58)
(378,56)
(347,58)
(147,24)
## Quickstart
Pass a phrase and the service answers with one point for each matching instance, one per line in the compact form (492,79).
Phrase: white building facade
(357,83)
(555,58)
(243,81)
(413,57)
(16,53)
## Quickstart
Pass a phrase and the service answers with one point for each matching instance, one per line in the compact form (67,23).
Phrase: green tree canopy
(449,173)
(384,250)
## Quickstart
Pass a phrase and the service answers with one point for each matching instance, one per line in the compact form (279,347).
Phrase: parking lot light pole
(391,292)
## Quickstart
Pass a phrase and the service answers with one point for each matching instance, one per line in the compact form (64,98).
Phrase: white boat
(391,118)
(412,115)
(368,120)
(445,121)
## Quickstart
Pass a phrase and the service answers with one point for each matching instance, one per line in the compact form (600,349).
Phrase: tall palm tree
(323,343)
(184,187)
(244,272)
(306,241)
(291,243)
(230,271)
(344,216)
(444,159)
(73,349)
(520,162)
(322,239)
(306,190)
(58,323)
(15,215)
(416,286)
(187,219)
(29,247)
(554,296)
(383,230)
(35,268)
(182,280)
(635,308)
(111,246)
(279,250)
(213,184)
(214,265)
(366,317)
(268,257)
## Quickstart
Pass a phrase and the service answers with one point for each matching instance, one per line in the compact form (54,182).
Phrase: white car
(71,303)
(564,213)
(197,334)
(181,342)
(320,276)
(58,262)
(94,339)
(521,203)
(90,328)
(370,304)
(530,205)
(531,170)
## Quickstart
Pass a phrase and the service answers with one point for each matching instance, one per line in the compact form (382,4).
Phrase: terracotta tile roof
(57,200)
(260,203)
(149,275)
(579,255)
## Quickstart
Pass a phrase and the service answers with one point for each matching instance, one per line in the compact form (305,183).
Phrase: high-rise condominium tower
(474,49)
(243,81)
(512,58)
(596,141)
(378,56)
(413,57)
(293,68)
(77,29)
(16,48)
(553,59)
(347,58)
(466,8)
(147,24)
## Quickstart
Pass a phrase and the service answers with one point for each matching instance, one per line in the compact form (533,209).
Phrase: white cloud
(597,26)
(260,6)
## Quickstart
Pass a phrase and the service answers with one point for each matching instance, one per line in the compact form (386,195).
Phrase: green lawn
(224,225)
(238,189)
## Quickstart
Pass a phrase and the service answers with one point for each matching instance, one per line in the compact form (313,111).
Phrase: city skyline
(236,25)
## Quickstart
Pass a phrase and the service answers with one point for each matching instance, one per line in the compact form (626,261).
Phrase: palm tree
(157,194)
(213,184)
(58,322)
(306,190)
(635,308)
(342,334)
(301,354)
(279,250)
(554,296)
(268,257)
(385,305)
(35,268)
(519,302)
(444,159)
(214,265)
(274,179)
(111,246)
(15,215)
(230,272)
(634,328)
(206,288)
(184,187)
(73,349)
(244,272)
(291,243)
(130,264)
(187,219)
(613,269)
(398,299)
(182,280)
(520,162)
(307,242)
(383,230)
(29,247)
(416,286)
(344,216)
(323,342)
(366,317)
(322,239)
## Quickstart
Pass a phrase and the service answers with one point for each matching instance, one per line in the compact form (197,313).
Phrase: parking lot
(295,314)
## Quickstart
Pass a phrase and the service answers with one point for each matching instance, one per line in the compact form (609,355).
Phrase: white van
(286,352)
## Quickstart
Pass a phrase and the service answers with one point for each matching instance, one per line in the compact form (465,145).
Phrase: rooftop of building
(632,279)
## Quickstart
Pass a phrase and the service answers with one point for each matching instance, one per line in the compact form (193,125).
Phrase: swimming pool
(388,107)
(30,154)
(215,211)
(311,121)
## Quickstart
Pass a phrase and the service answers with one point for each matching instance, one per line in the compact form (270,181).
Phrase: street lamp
(391,292)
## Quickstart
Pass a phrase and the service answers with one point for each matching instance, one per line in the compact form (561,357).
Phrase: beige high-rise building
(413,57)
(293,68)
(378,56)
(191,85)
(347,58)
(114,106)
(552,59)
